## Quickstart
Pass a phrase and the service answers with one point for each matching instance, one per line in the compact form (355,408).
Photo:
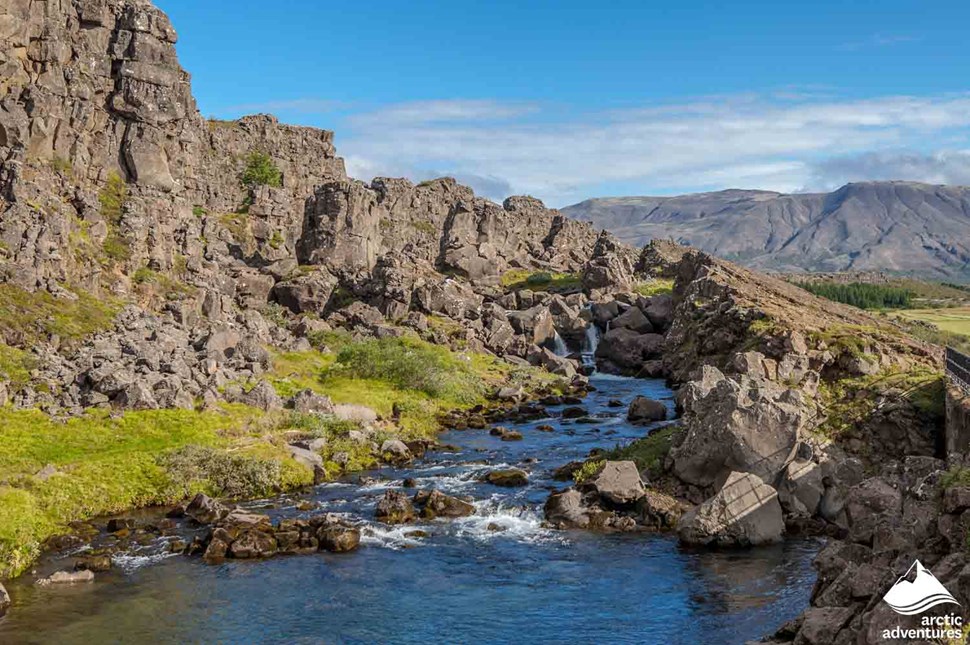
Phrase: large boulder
(745,512)
(395,508)
(645,410)
(253,544)
(205,510)
(566,510)
(632,319)
(536,324)
(743,425)
(440,505)
(801,488)
(629,349)
(542,357)
(308,293)
(618,483)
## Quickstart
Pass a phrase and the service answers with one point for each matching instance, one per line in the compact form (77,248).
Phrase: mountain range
(894,226)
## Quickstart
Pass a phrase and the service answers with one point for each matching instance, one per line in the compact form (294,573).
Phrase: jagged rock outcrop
(748,425)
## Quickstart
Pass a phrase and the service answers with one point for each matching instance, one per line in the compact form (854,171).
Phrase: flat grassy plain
(951,319)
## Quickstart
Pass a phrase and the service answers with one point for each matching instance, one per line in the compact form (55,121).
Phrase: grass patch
(238,226)
(654,287)
(15,366)
(110,464)
(113,197)
(516,279)
(588,470)
(647,453)
(27,318)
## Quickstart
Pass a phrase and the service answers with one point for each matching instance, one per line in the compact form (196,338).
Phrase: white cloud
(944,167)
(758,141)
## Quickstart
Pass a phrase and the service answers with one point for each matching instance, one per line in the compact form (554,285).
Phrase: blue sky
(568,100)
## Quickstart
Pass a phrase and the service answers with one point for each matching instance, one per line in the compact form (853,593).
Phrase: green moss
(15,366)
(238,226)
(516,279)
(199,211)
(27,318)
(955,476)
(654,287)
(277,241)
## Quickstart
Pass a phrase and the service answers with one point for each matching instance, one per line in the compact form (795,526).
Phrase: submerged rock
(745,512)
(507,477)
(67,577)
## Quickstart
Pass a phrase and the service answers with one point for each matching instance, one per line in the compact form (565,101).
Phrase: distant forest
(864,296)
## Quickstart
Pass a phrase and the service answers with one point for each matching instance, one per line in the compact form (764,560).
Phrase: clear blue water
(497,576)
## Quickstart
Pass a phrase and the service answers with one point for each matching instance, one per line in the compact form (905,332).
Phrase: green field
(951,319)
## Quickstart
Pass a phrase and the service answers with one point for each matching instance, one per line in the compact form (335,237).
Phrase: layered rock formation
(112,183)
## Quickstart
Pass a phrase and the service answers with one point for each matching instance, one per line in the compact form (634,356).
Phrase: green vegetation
(955,476)
(238,226)
(410,364)
(588,470)
(849,401)
(428,228)
(648,453)
(15,366)
(62,166)
(860,294)
(261,171)
(654,287)
(28,318)
(102,464)
(199,211)
(113,198)
(153,282)
(516,279)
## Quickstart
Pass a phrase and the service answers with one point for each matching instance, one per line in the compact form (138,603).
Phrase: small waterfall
(559,346)
(590,343)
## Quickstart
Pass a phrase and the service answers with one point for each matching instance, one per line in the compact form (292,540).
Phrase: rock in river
(508,477)
(394,508)
(745,512)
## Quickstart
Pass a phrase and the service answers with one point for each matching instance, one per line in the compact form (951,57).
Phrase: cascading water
(559,346)
(590,342)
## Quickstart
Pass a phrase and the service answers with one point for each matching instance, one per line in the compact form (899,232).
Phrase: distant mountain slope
(894,226)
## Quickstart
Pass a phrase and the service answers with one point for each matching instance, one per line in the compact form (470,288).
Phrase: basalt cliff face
(112,184)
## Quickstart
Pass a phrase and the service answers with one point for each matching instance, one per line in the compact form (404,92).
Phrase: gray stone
(744,512)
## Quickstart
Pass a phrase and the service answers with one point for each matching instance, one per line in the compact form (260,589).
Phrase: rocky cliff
(114,188)
(896,226)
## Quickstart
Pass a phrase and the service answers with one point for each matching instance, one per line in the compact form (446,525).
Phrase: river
(497,576)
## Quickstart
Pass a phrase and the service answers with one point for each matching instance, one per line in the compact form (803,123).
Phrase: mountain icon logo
(914,597)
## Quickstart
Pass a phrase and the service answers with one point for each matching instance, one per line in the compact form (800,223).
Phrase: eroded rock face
(744,512)
(736,425)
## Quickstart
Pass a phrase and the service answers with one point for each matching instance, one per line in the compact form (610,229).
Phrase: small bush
(955,477)
(410,365)
(199,211)
(588,470)
(261,171)
(221,473)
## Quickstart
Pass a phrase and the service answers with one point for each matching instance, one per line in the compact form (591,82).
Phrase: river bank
(490,576)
